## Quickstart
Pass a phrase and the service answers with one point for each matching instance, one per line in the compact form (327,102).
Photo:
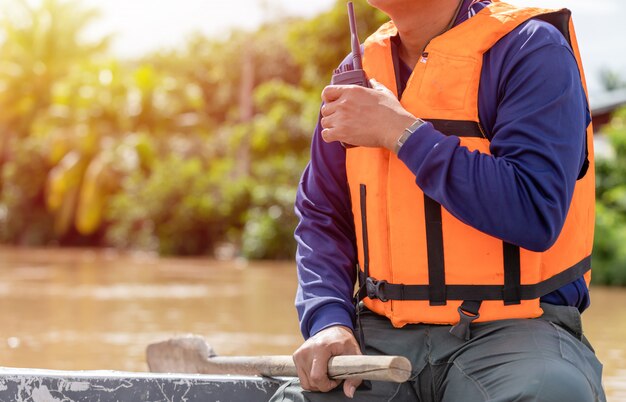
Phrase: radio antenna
(354,37)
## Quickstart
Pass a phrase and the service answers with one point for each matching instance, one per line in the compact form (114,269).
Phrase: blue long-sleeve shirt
(534,110)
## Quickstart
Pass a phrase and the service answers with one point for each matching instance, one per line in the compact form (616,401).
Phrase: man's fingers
(329,121)
(332,93)
(328,135)
(311,359)
(304,378)
(377,86)
(350,386)
(325,122)
(302,360)
(319,376)
(328,109)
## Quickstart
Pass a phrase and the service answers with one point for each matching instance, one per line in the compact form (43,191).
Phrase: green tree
(321,43)
(149,152)
(41,46)
(609,252)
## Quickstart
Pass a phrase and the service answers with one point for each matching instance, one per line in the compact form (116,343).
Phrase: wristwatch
(407,133)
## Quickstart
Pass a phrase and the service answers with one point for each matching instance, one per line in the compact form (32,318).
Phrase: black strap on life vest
(384,290)
(511,293)
(362,292)
(434,241)
(366,248)
(459,128)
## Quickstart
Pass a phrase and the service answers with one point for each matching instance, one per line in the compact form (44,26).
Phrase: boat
(257,378)
(39,385)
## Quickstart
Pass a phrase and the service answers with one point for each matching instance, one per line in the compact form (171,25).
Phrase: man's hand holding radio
(368,117)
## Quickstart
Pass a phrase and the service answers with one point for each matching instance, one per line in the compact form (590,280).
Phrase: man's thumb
(350,386)
(378,86)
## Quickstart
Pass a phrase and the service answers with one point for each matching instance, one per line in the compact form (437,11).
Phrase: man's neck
(420,21)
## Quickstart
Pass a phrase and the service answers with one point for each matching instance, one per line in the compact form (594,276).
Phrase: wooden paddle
(193,355)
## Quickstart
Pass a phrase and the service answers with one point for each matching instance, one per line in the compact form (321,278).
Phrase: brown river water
(98,309)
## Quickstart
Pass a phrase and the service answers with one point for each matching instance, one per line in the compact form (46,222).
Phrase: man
(462,187)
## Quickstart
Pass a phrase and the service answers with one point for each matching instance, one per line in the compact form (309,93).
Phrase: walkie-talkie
(352,74)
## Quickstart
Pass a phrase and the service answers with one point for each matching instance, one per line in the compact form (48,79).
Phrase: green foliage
(23,216)
(331,29)
(184,207)
(283,125)
(268,232)
(41,47)
(609,262)
(609,254)
(179,151)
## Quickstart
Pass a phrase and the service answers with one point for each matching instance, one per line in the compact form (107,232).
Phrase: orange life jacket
(421,262)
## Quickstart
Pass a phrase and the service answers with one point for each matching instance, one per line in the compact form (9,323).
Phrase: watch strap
(407,133)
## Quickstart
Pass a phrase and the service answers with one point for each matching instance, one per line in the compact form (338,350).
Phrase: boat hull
(111,386)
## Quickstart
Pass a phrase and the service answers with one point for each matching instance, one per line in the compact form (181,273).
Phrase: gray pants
(545,359)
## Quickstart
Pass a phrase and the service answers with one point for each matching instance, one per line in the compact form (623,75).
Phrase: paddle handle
(376,368)
(192,354)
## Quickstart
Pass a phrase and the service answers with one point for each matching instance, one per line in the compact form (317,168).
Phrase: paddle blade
(186,354)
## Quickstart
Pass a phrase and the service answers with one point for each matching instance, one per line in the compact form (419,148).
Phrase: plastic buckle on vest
(375,289)
(462,329)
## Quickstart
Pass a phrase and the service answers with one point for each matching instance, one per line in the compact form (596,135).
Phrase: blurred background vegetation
(188,151)
(609,254)
(193,151)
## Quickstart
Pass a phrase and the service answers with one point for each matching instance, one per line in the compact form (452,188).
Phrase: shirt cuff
(329,316)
